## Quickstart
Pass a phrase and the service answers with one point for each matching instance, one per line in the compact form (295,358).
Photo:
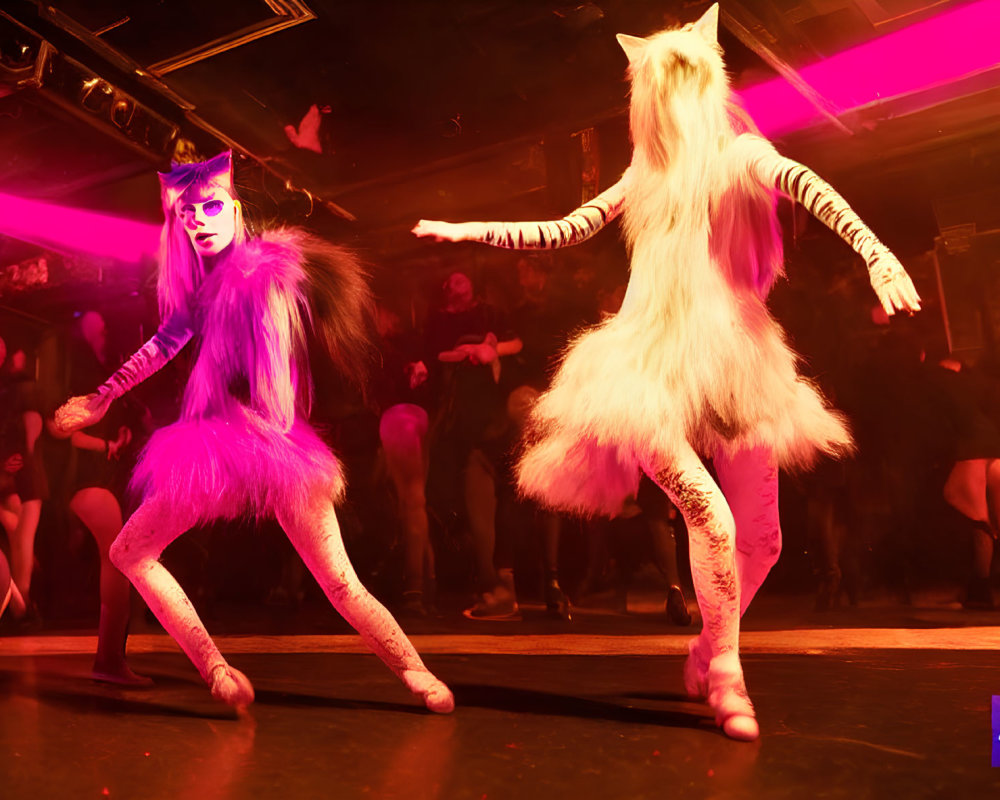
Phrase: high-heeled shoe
(727,696)
(676,607)
(556,602)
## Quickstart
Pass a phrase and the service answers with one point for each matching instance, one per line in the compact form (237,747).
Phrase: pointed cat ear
(708,26)
(632,45)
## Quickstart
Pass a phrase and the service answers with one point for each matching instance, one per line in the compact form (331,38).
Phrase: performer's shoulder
(297,260)
(277,254)
(278,242)
(753,143)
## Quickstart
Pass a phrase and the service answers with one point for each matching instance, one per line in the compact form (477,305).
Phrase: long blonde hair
(181,269)
(683,124)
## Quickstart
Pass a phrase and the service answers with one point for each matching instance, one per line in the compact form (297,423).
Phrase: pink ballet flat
(695,672)
(436,695)
(727,695)
(230,686)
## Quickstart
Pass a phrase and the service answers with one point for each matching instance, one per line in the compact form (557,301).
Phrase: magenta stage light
(937,51)
(75,231)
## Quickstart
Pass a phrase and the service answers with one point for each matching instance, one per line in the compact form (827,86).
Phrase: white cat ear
(632,45)
(708,26)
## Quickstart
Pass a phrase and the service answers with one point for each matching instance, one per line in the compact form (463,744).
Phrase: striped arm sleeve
(574,228)
(166,343)
(824,202)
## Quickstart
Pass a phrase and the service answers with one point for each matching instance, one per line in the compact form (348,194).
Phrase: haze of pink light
(939,50)
(72,230)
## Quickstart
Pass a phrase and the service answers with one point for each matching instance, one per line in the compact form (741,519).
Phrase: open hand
(115,447)
(81,412)
(893,285)
(417,373)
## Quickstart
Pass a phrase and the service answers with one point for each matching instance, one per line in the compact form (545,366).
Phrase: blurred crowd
(432,519)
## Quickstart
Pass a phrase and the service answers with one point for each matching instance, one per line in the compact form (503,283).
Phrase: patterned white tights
(315,534)
(735,539)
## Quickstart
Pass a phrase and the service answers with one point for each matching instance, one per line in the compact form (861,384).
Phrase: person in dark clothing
(467,344)
(402,394)
(97,485)
(23,484)
(969,440)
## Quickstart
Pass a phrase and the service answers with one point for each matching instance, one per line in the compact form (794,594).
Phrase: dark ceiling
(441,108)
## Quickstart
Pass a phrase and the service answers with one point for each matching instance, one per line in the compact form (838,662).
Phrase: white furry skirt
(228,467)
(623,399)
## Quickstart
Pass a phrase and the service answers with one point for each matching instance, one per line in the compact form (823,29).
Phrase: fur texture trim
(693,355)
(243,441)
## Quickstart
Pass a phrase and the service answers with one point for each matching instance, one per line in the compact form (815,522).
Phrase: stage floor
(844,714)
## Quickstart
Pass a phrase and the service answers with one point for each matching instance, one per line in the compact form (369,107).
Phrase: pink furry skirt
(225,468)
(576,474)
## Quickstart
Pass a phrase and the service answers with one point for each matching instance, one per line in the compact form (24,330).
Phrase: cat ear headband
(707,26)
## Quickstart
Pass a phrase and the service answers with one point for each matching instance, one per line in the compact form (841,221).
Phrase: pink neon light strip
(933,52)
(72,230)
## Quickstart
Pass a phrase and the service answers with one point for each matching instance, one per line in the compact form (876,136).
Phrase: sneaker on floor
(499,604)
(556,602)
(412,605)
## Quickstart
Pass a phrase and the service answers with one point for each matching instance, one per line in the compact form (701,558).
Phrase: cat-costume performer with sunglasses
(693,366)
(243,442)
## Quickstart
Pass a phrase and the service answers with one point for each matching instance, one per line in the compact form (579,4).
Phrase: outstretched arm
(890,281)
(572,229)
(75,231)
(167,342)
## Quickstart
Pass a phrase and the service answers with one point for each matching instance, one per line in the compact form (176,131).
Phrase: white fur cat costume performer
(693,365)
(243,442)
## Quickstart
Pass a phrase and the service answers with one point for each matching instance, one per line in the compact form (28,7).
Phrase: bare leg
(403,431)
(136,551)
(712,535)
(315,534)
(984,563)
(965,489)
(100,513)
(22,545)
(971,487)
(5,583)
(10,510)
